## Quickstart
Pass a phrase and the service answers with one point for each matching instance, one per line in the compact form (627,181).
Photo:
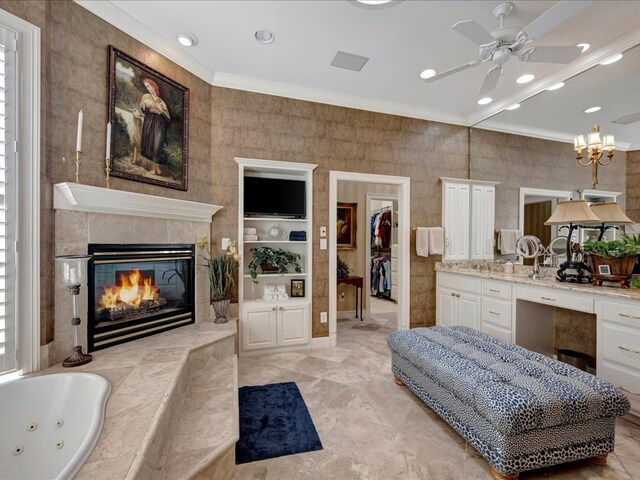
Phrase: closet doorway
(382,258)
(401,193)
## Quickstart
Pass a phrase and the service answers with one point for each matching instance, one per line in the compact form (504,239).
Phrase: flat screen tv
(274,197)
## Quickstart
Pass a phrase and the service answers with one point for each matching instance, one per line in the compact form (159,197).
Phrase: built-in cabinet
(468,217)
(524,314)
(272,325)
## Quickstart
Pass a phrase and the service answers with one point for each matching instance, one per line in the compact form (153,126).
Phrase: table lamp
(610,215)
(74,274)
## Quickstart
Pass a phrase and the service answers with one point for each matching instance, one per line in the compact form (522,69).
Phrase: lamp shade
(573,211)
(610,213)
(74,269)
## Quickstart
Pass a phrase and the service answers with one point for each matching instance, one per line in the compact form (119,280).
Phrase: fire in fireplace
(138,290)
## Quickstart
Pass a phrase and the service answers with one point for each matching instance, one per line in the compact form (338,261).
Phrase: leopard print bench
(519,409)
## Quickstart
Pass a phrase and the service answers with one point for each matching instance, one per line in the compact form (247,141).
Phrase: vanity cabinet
(468,217)
(458,301)
(274,325)
(618,344)
(497,308)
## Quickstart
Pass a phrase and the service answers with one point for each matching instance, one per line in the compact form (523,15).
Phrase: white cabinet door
(468,310)
(293,325)
(482,221)
(258,328)
(446,307)
(456,220)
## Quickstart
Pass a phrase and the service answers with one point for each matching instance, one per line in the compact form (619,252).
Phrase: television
(274,197)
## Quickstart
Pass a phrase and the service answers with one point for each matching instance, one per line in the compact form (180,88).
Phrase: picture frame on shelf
(604,270)
(149,115)
(346,227)
(297,288)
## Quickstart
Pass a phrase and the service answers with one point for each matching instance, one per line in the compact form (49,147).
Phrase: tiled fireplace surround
(75,229)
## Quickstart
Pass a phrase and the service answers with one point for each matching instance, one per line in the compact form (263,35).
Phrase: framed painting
(297,288)
(149,115)
(346,227)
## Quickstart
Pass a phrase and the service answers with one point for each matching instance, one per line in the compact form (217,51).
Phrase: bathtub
(50,424)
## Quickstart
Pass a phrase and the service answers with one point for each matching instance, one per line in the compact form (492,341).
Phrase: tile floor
(375,430)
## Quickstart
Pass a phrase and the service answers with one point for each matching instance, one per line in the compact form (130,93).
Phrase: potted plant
(614,260)
(273,260)
(222,271)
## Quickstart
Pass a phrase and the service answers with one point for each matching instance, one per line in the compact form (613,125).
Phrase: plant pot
(621,269)
(269,268)
(220,307)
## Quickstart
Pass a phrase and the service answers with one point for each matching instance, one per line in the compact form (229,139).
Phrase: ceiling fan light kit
(501,44)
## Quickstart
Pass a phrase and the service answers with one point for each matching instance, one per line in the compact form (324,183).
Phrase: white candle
(108,154)
(79,139)
(74,275)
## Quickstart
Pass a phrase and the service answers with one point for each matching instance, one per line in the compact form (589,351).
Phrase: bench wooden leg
(501,476)
(398,381)
(600,460)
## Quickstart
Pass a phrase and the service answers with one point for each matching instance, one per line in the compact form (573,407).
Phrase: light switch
(323,231)
(323,244)
(323,317)
(225,243)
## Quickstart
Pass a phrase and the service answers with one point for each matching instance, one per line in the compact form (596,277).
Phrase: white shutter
(8,202)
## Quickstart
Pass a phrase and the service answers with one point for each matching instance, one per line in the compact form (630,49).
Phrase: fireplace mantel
(87,198)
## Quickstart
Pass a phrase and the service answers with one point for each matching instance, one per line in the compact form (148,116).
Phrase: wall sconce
(596,147)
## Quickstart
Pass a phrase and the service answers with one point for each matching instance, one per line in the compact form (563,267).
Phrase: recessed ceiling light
(373,2)
(264,36)
(592,109)
(556,86)
(428,73)
(515,106)
(485,100)
(187,39)
(583,46)
(611,59)
(525,78)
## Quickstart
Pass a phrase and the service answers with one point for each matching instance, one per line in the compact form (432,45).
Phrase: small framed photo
(346,214)
(297,288)
(604,270)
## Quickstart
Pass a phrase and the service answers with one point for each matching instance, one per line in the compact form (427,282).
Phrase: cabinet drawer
(496,289)
(627,382)
(621,345)
(497,312)
(630,314)
(497,332)
(555,298)
(459,282)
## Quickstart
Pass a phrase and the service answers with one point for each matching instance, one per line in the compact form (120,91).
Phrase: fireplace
(136,290)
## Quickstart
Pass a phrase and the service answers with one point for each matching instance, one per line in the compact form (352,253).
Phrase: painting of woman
(154,125)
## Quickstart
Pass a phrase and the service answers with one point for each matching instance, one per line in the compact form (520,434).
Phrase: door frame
(404,284)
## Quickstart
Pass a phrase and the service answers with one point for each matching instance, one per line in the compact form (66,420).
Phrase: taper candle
(79,138)
(108,154)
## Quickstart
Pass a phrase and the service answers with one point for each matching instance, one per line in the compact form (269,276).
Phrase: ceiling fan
(504,42)
(628,119)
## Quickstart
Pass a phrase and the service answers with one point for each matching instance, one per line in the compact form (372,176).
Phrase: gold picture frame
(347,226)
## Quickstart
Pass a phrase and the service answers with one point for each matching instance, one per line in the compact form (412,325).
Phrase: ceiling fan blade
(627,119)
(451,71)
(551,54)
(553,17)
(473,31)
(490,81)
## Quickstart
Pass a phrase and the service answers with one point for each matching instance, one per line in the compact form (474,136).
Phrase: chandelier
(596,147)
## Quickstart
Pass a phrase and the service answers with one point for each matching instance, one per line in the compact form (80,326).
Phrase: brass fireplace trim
(139,252)
(154,259)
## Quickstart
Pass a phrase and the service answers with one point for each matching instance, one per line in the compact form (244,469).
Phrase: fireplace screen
(138,290)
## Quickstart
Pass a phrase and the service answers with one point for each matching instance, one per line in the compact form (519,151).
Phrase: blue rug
(274,421)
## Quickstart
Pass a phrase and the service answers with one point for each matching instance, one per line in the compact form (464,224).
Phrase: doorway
(402,185)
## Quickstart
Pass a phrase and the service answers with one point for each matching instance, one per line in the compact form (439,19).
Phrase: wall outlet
(342,296)
(225,243)
(323,317)
(323,231)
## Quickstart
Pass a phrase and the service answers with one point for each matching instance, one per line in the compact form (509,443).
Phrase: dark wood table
(357,282)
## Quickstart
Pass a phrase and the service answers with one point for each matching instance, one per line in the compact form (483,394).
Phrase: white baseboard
(321,342)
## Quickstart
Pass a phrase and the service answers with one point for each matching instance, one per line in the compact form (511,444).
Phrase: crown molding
(132,27)
(87,198)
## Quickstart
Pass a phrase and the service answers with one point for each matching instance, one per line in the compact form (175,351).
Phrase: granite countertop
(145,375)
(522,276)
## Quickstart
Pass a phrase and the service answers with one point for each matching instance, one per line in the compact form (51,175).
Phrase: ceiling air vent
(349,61)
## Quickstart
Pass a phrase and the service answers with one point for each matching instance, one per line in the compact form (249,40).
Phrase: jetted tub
(50,424)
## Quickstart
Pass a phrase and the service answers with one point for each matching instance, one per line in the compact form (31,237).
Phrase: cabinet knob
(458,295)
(273,309)
(453,294)
(280,308)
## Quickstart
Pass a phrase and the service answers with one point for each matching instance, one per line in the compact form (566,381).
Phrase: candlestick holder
(78,152)
(107,169)
(74,274)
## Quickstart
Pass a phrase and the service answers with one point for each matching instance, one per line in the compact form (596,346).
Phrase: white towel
(250,231)
(250,238)
(507,241)
(436,240)
(422,241)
